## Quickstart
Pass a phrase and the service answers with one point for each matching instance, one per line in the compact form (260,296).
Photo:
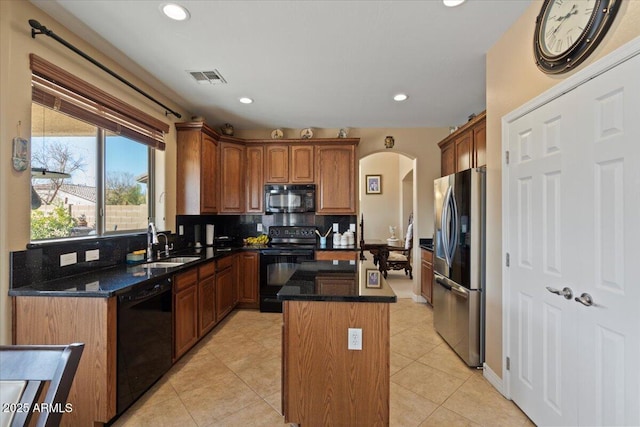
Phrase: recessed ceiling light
(246,100)
(400,97)
(175,12)
(452,3)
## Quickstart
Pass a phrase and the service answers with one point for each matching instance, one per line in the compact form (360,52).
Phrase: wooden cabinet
(336,179)
(196,169)
(255,179)
(336,255)
(277,164)
(249,280)
(41,320)
(426,275)
(336,284)
(289,164)
(226,290)
(206,298)
(232,174)
(185,312)
(330,382)
(465,148)
(302,165)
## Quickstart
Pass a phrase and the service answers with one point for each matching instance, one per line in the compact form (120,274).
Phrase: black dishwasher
(144,339)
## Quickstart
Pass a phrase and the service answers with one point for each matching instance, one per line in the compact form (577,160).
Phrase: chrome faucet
(152,239)
(167,248)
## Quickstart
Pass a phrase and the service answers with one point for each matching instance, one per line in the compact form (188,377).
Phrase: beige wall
(380,210)
(15,107)
(512,80)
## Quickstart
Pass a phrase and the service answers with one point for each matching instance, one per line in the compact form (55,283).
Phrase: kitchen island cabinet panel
(65,320)
(322,379)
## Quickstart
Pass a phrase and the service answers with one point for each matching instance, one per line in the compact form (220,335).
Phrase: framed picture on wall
(374,184)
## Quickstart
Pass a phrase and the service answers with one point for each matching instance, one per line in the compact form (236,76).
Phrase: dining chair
(25,370)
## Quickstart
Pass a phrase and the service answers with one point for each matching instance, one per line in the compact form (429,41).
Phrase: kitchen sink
(171,262)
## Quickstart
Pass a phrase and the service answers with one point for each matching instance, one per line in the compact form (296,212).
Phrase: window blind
(55,88)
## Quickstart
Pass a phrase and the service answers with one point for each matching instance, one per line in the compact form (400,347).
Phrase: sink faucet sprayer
(152,239)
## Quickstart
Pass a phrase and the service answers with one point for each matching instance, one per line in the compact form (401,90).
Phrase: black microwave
(289,198)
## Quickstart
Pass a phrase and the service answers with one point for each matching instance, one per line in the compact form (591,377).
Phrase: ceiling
(322,64)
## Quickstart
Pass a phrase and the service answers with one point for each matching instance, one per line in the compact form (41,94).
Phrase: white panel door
(542,241)
(574,221)
(609,330)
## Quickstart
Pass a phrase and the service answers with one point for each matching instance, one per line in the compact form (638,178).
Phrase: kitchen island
(336,344)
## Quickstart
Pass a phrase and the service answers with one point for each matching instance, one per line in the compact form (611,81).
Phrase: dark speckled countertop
(107,282)
(426,244)
(345,281)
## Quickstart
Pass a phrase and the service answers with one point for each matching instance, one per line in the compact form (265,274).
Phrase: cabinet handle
(585,299)
(565,292)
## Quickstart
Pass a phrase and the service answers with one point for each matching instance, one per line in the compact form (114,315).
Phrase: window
(91,158)
(71,199)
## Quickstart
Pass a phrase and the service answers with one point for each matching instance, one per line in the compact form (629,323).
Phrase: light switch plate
(92,255)
(259,228)
(336,227)
(181,230)
(352,228)
(68,259)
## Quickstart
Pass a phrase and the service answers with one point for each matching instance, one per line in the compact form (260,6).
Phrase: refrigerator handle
(454,220)
(443,226)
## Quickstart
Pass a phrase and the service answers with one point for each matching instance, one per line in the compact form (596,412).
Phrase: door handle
(585,299)
(565,292)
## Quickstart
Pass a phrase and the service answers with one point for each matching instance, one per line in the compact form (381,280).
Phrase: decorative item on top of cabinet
(465,148)
(197,169)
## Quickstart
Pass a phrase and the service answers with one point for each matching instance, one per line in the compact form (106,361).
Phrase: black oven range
(290,246)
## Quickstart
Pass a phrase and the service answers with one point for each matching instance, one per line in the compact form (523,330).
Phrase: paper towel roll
(209,235)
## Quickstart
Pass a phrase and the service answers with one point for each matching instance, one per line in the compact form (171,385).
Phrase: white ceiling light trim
(400,97)
(175,12)
(246,100)
(452,3)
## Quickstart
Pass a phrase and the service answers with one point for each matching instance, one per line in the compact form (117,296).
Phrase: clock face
(563,23)
(568,31)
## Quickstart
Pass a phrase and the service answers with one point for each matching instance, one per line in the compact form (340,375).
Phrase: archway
(390,206)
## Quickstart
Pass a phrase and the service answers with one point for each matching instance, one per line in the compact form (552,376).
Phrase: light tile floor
(232,378)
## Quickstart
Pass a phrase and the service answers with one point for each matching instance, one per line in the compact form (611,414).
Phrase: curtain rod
(37,28)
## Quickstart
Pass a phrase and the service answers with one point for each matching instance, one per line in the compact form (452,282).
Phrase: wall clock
(567,32)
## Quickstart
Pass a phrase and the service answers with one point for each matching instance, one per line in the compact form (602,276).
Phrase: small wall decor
(374,184)
(20,155)
(389,142)
(373,278)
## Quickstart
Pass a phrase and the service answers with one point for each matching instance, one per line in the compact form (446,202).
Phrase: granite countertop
(426,244)
(345,281)
(111,281)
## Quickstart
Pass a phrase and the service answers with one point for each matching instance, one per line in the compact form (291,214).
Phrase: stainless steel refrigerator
(459,262)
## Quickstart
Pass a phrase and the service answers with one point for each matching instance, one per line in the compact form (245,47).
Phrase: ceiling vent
(211,77)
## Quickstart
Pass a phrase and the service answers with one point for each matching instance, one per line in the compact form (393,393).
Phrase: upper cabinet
(222,174)
(254,195)
(336,188)
(464,148)
(197,166)
(232,177)
(289,164)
